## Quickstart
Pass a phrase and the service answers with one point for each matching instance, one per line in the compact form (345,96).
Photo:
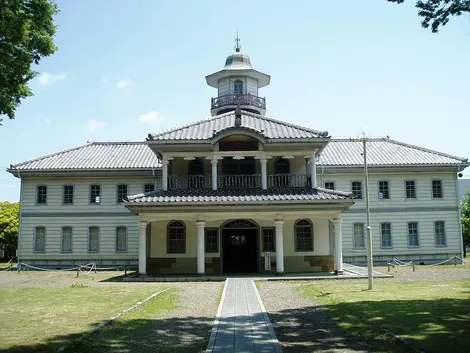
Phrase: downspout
(155,179)
(18,251)
(322,176)
(459,212)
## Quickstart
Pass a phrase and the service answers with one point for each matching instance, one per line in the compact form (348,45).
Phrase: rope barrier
(399,263)
(9,267)
(85,269)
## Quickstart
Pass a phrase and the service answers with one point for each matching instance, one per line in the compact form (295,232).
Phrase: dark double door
(240,250)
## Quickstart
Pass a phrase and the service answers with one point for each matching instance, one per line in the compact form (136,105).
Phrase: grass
(429,315)
(133,332)
(46,318)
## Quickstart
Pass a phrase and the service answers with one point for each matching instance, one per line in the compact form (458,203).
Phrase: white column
(338,246)
(200,247)
(313,171)
(264,175)
(142,248)
(165,174)
(214,174)
(279,223)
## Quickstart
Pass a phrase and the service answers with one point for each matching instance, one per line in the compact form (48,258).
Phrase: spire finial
(237,43)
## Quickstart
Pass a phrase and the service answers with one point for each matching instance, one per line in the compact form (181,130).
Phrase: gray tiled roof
(382,152)
(229,196)
(270,128)
(95,156)
(137,155)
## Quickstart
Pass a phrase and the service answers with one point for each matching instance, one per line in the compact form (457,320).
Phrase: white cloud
(151,116)
(47,78)
(104,79)
(123,83)
(48,122)
(95,124)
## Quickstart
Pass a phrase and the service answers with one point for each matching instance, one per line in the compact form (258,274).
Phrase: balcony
(246,101)
(274,181)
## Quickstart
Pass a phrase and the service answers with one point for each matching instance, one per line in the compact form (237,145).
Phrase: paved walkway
(362,271)
(242,324)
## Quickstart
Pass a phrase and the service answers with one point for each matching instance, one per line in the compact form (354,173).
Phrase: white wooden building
(216,195)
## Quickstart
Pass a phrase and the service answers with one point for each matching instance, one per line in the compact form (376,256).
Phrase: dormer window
(238,87)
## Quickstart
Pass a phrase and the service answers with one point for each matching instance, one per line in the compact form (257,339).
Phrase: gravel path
(300,325)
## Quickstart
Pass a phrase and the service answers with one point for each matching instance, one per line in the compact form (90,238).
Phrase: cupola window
(238,87)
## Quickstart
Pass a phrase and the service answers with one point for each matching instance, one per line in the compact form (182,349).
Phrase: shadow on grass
(441,325)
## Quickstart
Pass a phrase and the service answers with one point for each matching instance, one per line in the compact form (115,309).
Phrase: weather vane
(237,43)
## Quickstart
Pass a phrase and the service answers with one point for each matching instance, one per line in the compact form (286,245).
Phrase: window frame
(441,189)
(206,248)
(126,238)
(352,189)
(329,182)
(35,249)
(415,190)
(273,229)
(382,246)
(120,200)
(147,184)
(168,227)
(388,190)
(296,235)
(417,234)
(100,193)
(62,240)
(37,194)
(444,234)
(63,194)
(236,83)
(89,238)
(363,235)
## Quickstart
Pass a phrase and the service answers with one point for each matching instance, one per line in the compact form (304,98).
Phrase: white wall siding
(251,86)
(224,86)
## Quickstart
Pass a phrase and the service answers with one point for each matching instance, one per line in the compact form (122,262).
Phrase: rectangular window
(384,191)
(149,188)
(356,188)
(303,235)
(40,239)
(121,239)
(437,189)
(121,193)
(66,242)
(385,235)
(93,239)
(67,195)
(413,235)
(440,233)
(410,189)
(95,193)
(212,240)
(269,240)
(358,235)
(330,185)
(41,194)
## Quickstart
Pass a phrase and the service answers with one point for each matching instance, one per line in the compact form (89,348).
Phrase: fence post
(78,270)
(388,265)
(414,269)
(125,270)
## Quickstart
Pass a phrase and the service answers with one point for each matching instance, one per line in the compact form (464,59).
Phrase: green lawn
(47,318)
(432,316)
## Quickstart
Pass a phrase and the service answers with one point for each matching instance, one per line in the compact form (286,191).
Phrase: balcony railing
(274,181)
(241,99)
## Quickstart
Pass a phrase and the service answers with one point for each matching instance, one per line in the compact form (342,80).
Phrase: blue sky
(125,69)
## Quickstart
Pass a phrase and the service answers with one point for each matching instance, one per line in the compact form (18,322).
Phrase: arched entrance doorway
(240,246)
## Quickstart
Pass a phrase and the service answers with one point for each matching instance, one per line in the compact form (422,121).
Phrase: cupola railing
(238,99)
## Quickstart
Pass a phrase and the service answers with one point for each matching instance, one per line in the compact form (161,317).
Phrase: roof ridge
(52,154)
(184,126)
(318,132)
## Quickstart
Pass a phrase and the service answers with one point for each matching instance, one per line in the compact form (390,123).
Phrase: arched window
(282,170)
(196,173)
(176,237)
(238,87)
(303,235)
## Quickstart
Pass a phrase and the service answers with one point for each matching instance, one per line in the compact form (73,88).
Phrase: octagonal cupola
(238,84)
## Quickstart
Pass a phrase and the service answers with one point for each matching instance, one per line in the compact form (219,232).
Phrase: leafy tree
(437,13)
(26,36)
(465,215)
(9,223)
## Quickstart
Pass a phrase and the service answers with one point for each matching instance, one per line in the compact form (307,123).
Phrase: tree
(9,225)
(27,30)
(465,215)
(437,13)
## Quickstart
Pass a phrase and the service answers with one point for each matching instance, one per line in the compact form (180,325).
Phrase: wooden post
(78,270)
(414,269)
